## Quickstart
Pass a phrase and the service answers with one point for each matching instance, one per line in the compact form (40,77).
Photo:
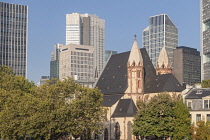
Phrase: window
(206,104)
(138,74)
(198,117)
(117,131)
(207,117)
(129,131)
(189,104)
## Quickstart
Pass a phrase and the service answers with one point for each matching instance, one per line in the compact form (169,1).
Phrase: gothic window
(117,131)
(139,84)
(133,64)
(129,130)
(106,134)
(138,74)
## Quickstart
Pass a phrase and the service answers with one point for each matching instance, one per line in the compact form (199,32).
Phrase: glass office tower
(160,33)
(205,39)
(14,37)
(86,29)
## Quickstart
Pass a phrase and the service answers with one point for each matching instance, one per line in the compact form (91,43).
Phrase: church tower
(135,70)
(163,65)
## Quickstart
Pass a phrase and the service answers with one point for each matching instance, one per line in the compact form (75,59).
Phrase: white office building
(86,29)
(77,61)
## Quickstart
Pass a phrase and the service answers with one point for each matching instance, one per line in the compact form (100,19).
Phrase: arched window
(138,73)
(133,64)
(105,134)
(129,131)
(139,84)
(117,131)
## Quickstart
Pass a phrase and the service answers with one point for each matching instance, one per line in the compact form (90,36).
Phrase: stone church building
(128,77)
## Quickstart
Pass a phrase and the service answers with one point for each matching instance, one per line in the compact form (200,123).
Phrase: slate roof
(125,108)
(109,100)
(114,76)
(162,83)
(113,79)
(193,93)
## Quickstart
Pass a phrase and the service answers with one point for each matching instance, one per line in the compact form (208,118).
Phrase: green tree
(205,83)
(50,111)
(12,89)
(182,121)
(87,113)
(158,118)
(201,131)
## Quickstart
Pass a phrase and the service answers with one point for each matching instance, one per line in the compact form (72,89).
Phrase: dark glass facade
(13,37)
(187,65)
(54,63)
(205,39)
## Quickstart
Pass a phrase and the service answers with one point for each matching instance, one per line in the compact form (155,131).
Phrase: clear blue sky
(123,18)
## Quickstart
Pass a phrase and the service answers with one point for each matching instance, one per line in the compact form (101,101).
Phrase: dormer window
(199,92)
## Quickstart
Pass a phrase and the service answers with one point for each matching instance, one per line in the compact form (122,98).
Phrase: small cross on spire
(135,36)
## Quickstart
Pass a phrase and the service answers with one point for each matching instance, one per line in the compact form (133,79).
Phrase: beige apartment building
(77,61)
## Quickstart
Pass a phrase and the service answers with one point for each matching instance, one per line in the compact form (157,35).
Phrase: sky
(123,19)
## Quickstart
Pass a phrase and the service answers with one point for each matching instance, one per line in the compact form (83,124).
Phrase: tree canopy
(56,109)
(205,83)
(162,117)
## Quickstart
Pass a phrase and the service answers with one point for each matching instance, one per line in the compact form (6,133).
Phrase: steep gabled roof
(109,100)
(163,59)
(125,108)
(164,83)
(198,93)
(135,54)
(113,79)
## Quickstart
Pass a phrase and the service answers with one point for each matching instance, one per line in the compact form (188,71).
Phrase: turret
(135,70)
(163,65)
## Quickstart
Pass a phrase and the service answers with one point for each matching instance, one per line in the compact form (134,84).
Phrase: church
(127,78)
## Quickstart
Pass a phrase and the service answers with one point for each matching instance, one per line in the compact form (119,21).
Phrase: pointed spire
(135,57)
(163,59)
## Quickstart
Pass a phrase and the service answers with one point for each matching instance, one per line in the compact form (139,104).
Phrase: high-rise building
(43,80)
(77,61)
(86,29)
(160,33)
(54,63)
(205,39)
(108,53)
(14,37)
(187,65)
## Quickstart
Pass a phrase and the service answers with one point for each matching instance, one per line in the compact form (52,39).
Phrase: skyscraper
(205,39)
(86,29)
(160,33)
(76,61)
(14,37)
(187,65)
(109,53)
(54,63)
